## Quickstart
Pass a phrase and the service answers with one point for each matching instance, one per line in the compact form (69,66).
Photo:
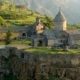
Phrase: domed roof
(59,17)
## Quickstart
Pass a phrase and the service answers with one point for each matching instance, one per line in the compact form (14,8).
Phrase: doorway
(23,34)
(40,43)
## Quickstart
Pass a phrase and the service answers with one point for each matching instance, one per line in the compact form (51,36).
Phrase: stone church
(57,36)
(40,35)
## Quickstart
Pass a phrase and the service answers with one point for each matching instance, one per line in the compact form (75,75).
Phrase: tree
(48,22)
(1,21)
(8,38)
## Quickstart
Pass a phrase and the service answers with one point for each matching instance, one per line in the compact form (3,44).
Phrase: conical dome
(60,17)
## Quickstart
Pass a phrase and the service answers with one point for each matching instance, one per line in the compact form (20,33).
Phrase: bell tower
(60,22)
(39,26)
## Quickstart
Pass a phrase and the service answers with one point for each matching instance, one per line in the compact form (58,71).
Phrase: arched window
(23,34)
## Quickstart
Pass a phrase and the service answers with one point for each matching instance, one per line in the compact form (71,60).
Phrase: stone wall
(28,66)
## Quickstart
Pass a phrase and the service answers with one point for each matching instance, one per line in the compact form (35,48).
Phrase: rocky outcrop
(28,66)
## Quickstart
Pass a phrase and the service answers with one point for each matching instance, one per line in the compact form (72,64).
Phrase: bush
(8,38)
(1,21)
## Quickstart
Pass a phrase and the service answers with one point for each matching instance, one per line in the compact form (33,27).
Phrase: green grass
(19,17)
(2,43)
(18,43)
(45,50)
(25,44)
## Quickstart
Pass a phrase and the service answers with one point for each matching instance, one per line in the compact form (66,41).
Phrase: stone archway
(40,43)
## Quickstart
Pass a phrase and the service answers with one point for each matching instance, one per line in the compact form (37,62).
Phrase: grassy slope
(25,44)
(19,17)
(52,51)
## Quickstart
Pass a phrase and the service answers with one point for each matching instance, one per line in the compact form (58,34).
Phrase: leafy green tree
(8,38)
(48,22)
(1,21)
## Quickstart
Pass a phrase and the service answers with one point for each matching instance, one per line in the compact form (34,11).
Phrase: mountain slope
(51,7)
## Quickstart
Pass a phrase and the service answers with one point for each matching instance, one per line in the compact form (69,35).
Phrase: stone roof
(59,17)
(49,33)
(14,29)
(74,33)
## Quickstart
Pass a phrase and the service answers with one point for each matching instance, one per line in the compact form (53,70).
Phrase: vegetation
(45,50)
(2,22)
(48,21)
(17,15)
(10,77)
(26,45)
(73,26)
(8,38)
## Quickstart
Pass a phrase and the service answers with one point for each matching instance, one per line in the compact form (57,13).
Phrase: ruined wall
(27,66)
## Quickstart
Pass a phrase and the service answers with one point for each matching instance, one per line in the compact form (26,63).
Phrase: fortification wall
(28,66)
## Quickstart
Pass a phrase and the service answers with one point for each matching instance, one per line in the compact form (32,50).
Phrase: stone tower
(60,22)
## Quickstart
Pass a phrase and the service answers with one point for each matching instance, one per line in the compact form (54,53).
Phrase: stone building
(40,35)
(57,36)
(60,22)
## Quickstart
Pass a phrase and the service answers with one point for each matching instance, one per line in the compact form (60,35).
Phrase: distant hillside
(18,14)
(51,7)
